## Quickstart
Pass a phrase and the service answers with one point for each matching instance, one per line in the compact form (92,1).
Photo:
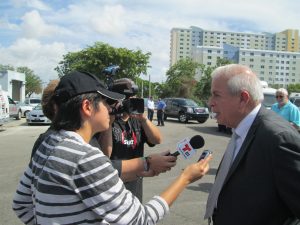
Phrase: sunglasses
(279,96)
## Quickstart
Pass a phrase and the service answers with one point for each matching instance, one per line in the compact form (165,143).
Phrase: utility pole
(142,88)
(149,86)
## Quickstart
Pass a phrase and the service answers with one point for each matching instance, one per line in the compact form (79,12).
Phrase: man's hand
(161,162)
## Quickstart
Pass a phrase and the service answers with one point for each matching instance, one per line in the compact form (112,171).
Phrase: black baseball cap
(76,83)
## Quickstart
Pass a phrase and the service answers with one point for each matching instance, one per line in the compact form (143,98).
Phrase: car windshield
(34,101)
(297,102)
(38,107)
(188,102)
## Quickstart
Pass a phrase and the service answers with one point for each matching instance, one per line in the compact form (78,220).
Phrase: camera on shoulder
(127,87)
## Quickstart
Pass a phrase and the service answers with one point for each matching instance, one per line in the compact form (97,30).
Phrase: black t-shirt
(128,139)
(128,143)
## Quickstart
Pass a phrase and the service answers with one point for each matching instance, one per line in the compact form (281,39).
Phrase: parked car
(295,98)
(24,108)
(185,109)
(36,116)
(32,101)
(28,105)
(14,109)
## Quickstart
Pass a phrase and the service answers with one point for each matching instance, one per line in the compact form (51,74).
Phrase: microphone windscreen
(197,142)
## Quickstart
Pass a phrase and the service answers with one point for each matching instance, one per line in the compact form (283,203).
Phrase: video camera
(127,87)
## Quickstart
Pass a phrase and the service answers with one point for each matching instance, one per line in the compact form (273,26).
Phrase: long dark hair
(68,114)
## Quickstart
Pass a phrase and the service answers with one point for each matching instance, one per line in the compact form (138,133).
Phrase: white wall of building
(14,83)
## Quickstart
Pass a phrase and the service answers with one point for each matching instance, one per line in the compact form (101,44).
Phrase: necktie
(223,171)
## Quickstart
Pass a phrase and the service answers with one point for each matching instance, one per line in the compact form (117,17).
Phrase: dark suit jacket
(263,184)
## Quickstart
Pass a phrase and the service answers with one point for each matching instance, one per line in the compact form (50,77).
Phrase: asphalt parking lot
(17,138)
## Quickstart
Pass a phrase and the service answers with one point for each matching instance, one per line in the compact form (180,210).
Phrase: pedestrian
(70,182)
(286,109)
(130,133)
(150,108)
(49,109)
(161,105)
(257,182)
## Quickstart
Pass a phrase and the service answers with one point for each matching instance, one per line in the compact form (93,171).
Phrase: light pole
(149,85)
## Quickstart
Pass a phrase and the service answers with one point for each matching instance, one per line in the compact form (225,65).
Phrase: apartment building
(274,57)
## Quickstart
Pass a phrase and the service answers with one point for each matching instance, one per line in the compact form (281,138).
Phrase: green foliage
(4,68)
(181,79)
(202,90)
(33,82)
(293,88)
(95,58)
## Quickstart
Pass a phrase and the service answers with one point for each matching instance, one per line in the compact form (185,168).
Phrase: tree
(4,68)
(181,78)
(293,88)
(202,90)
(95,58)
(33,82)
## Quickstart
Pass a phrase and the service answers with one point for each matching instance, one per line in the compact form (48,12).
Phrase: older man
(258,179)
(286,109)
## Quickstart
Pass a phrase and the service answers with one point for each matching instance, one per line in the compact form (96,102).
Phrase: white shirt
(150,104)
(242,129)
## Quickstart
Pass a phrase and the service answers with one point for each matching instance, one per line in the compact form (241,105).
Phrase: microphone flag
(184,148)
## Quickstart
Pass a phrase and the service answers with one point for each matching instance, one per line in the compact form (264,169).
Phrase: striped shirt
(70,182)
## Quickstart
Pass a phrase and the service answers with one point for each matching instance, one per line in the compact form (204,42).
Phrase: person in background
(257,182)
(286,109)
(49,109)
(70,182)
(150,108)
(130,132)
(161,105)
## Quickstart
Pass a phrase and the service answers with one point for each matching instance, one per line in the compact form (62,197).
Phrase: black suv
(185,109)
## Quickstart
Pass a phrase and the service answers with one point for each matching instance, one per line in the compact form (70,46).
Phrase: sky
(37,33)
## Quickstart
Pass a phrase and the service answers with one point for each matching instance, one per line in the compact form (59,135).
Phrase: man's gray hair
(240,78)
(282,91)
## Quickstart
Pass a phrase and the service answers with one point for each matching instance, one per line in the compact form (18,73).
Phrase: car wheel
(201,120)
(18,117)
(182,118)
(165,117)
(25,113)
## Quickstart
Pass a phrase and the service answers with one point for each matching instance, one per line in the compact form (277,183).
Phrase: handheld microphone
(187,147)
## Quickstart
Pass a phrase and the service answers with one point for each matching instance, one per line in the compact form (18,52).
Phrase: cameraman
(129,134)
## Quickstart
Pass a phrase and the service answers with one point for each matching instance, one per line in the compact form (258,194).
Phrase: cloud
(4,24)
(36,4)
(144,25)
(109,21)
(34,26)
(41,58)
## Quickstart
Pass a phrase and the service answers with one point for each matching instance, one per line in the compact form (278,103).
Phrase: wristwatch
(146,163)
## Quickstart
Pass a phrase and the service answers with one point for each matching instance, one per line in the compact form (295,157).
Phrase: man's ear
(244,97)
(87,107)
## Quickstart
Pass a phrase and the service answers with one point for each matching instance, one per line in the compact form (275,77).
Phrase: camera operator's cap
(76,83)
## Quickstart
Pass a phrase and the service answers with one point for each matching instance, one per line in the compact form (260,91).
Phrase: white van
(269,95)
(4,107)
